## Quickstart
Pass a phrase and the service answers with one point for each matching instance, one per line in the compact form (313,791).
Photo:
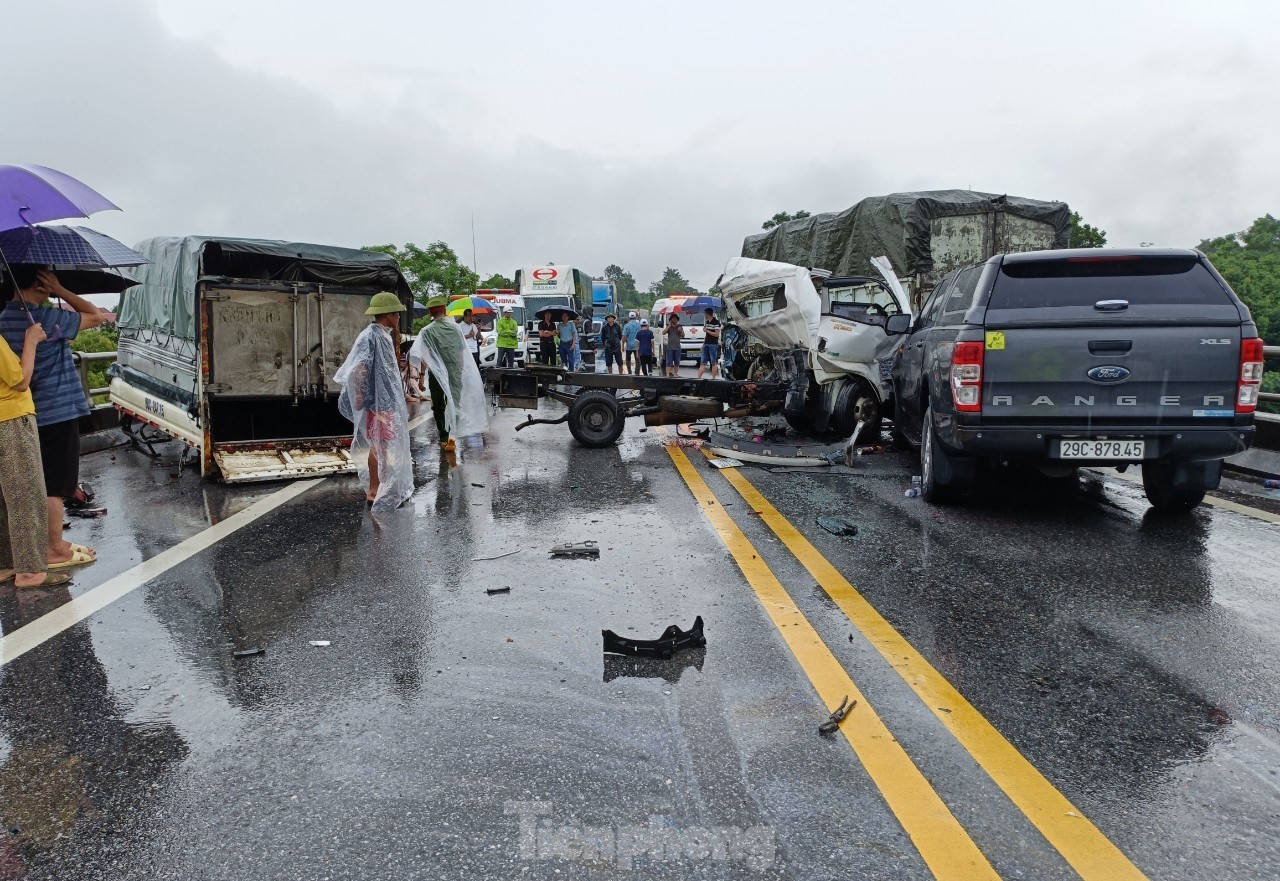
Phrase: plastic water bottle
(913,492)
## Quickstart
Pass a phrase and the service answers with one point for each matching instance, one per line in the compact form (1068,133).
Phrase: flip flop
(85,549)
(51,579)
(79,557)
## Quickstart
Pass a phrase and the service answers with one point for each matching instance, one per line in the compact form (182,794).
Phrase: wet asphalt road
(446,733)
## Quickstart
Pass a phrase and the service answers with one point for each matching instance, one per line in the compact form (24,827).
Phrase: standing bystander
(508,338)
(644,347)
(629,331)
(56,390)
(24,528)
(611,342)
(671,351)
(710,344)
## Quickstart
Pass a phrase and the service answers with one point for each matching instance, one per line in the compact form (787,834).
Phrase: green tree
(672,282)
(629,296)
(497,280)
(432,270)
(1085,236)
(782,217)
(1250,263)
(104,338)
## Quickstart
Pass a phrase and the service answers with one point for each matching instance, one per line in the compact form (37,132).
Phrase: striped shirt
(55,385)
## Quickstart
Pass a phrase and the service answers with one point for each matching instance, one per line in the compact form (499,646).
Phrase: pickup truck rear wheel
(596,419)
(1157,481)
(935,462)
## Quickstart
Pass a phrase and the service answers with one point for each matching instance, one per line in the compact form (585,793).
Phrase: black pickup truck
(1068,358)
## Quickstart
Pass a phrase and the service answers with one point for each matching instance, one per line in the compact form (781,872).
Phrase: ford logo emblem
(1109,374)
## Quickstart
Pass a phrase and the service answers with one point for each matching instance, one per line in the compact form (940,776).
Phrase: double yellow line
(942,842)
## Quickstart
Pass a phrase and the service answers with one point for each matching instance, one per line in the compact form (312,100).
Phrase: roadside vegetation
(1250,262)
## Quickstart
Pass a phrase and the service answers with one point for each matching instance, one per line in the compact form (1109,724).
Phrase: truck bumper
(1040,443)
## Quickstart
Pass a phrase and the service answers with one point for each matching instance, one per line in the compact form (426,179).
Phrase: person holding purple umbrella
(55,389)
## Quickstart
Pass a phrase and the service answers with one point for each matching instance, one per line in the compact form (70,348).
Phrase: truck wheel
(693,406)
(857,404)
(1157,481)
(935,465)
(596,419)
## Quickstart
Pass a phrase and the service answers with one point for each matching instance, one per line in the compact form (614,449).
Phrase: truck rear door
(1102,341)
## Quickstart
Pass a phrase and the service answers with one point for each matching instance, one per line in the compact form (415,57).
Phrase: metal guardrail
(1270,352)
(82,361)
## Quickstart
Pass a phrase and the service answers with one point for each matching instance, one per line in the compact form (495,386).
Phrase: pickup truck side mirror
(898,324)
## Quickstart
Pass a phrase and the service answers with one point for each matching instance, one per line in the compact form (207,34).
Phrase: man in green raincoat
(457,391)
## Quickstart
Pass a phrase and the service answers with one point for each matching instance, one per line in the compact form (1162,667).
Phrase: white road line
(25,638)
(44,628)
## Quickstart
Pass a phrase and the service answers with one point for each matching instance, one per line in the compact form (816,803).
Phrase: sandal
(51,579)
(84,549)
(80,556)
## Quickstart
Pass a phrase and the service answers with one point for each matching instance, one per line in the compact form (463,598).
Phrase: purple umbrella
(32,193)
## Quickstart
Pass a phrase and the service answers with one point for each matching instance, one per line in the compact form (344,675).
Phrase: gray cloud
(211,133)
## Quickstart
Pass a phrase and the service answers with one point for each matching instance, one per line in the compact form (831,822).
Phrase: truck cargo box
(230,345)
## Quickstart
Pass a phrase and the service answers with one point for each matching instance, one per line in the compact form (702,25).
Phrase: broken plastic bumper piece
(671,641)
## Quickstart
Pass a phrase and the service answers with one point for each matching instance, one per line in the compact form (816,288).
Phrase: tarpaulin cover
(441,347)
(165,300)
(897,225)
(373,399)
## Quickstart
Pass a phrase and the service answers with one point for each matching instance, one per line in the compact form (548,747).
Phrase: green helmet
(440,302)
(382,303)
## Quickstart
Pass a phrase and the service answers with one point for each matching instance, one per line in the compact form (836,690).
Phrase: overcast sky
(648,135)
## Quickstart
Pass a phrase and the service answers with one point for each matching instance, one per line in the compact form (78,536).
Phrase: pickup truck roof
(1098,254)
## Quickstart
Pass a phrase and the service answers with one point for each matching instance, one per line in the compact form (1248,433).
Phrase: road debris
(913,493)
(837,525)
(496,590)
(247,653)
(498,557)
(837,716)
(579,549)
(480,485)
(672,640)
(726,462)
(320,643)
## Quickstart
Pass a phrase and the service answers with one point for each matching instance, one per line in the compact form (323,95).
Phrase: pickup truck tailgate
(1109,375)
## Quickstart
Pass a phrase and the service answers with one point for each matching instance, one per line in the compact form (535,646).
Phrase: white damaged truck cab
(230,346)
(828,342)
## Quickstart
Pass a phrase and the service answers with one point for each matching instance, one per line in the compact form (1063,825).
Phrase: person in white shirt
(471,333)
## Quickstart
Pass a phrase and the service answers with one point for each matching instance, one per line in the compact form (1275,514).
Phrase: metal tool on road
(837,716)
(672,640)
(580,549)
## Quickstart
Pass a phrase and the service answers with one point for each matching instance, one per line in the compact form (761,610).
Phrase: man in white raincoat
(457,391)
(373,399)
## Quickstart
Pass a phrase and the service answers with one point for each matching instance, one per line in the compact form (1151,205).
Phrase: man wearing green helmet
(373,399)
(457,391)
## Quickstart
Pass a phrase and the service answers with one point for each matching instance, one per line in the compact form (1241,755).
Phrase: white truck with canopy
(230,346)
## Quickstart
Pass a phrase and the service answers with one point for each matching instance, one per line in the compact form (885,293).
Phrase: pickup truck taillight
(1250,375)
(966,377)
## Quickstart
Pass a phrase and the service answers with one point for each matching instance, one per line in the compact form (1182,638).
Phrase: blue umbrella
(67,247)
(32,194)
(699,303)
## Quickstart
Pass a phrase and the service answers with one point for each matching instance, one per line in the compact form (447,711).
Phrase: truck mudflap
(284,460)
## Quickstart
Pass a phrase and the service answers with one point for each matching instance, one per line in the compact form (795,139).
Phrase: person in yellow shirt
(24,511)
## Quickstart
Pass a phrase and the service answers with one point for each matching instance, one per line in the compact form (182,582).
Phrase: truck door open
(271,399)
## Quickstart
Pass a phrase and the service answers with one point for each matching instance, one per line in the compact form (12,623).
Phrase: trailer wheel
(693,406)
(596,419)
